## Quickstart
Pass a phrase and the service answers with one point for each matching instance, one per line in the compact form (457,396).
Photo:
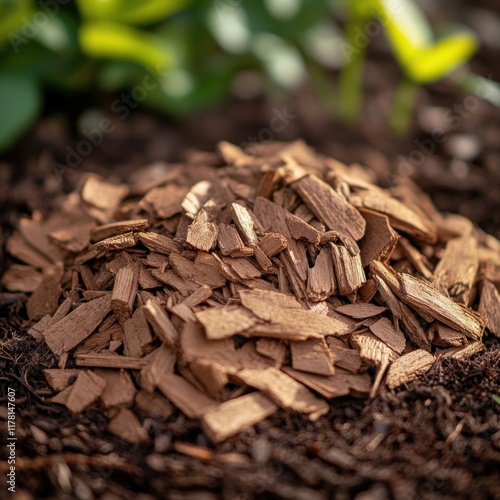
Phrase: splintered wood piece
(284,391)
(312,356)
(192,450)
(119,389)
(464,352)
(110,361)
(211,376)
(126,426)
(241,268)
(20,278)
(379,240)
(36,331)
(408,368)
(197,196)
(124,292)
(423,297)
(85,391)
(61,312)
(223,322)
(361,310)
(60,379)
(36,234)
(192,402)
(244,222)
(403,313)
(400,216)
(349,273)
(94,343)
(446,336)
(456,271)
(284,311)
(160,364)
(236,415)
(115,228)
(202,232)
(198,297)
(118,242)
(45,299)
(332,210)
(160,322)
(372,349)
(159,243)
(333,386)
(419,261)
(347,359)
(320,278)
(385,331)
(77,325)
(272,243)
(273,349)
(489,307)
(262,259)
(103,195)
(154,404)
(204,271)
(229,240)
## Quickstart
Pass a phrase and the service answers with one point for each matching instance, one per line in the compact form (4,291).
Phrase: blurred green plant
(191,53)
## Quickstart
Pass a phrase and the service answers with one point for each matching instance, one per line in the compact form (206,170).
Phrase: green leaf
(20,102)
(12,17)
(496,398)
(107,40)
(423,58)
(130,11)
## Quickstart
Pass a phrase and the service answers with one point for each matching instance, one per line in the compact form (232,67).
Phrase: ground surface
(437,438)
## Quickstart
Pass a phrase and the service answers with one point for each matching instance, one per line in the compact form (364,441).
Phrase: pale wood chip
(334,386)
(385,331)
(127,427)
(154,404)
(349,273)
(102,194)
(161,363)
(203,231)
(164,202)
(124,293)
(408,368)
(236,415)
(347,359)
(333,210)
(19,248)
(37,330)
(160,322)
(111,360)
(119,389)
(77,325)
(372,349)
(192,402)
(361,310)
(489,307)
(213,377)
(244,222)
(85,391)
(284,391)
(312,356)
(192,450)
(223,322)
(456,272)
(159,243)
(118,242)
(445,336)
(320,278)
(464,352)
(273,349)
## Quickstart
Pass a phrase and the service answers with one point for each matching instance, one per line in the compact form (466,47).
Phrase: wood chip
(229,240)
(236,415)
(20,278)
(464,352)
(223,322)
(284,391)
(124,292)
(45,299)
(489,307)
(160,322)
(385,331)
(78,325)
(272,243)
(202,232)
(349,273)
(361,310)
(161,363)
(312,356)
(153,404)
(127,427)
(320,278)
(119,389)
(60,379)
(116,228)
(244,222)
(408,368)
(110,361)
(192,450)
(85,391)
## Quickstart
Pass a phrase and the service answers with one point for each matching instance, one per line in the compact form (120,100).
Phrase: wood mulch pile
(233,284)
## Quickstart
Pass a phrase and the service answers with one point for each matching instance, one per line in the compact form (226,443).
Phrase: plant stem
(404,104)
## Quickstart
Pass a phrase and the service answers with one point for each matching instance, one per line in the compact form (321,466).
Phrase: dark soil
(437,438)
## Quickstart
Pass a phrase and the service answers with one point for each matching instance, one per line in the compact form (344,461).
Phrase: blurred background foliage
(179,56)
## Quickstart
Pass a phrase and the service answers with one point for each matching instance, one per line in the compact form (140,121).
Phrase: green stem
(404,104)
(350,95)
